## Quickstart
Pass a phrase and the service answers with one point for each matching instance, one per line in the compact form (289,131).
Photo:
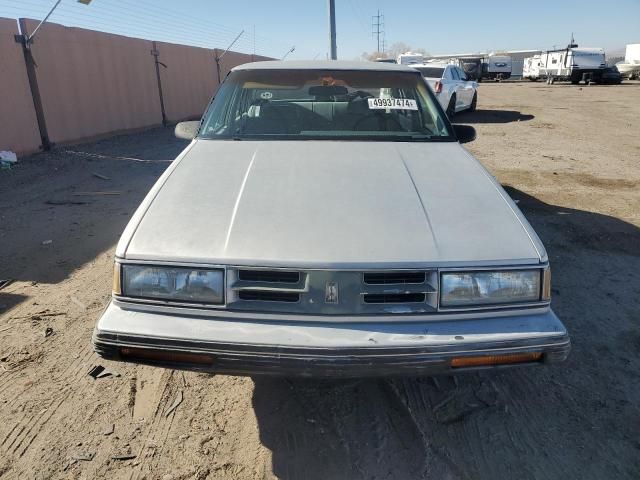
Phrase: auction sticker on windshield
(393,103)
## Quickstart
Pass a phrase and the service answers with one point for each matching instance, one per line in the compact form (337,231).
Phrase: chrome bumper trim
(412,355)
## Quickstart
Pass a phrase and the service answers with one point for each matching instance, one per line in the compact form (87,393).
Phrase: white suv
(449,82)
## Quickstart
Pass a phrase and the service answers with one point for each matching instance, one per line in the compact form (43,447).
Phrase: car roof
(325,65)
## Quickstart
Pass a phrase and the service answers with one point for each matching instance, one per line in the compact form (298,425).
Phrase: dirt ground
(569,155)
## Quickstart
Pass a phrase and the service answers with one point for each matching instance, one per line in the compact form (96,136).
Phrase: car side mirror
(465,133)
(187,130)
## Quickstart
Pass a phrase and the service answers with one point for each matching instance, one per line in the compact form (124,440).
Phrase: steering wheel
(359,94)
(277,122)
(379,117)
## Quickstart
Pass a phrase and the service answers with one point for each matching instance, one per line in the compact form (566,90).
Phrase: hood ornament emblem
(331,292)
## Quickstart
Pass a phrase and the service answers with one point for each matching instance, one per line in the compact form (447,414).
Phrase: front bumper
(223,344)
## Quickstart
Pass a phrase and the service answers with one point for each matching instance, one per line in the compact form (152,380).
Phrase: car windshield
(430,72)
(325,104)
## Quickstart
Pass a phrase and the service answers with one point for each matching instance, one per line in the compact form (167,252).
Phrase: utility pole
(378,25)
(156,54)
(26,41)
(332,30)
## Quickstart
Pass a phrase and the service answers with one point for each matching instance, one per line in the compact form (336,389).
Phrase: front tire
(451,108)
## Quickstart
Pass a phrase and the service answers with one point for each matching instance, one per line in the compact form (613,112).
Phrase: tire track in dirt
(39,425)
(522,439)
(74,391)
(29,427)
(158,431)
(10,375)
(23,428)
(68,356)
(402,396)
(342,430)
(44,350)
(18,393)
(417,397)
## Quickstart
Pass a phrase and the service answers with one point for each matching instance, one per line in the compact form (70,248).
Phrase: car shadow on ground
(577,228)
(491,116)
(61,209)
(535,422)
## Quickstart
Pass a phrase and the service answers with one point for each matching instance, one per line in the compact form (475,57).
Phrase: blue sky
(437,26)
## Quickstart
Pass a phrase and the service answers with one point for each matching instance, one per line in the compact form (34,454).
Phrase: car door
(458,88)
(448,87)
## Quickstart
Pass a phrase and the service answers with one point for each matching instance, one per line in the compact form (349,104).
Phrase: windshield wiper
(432,138)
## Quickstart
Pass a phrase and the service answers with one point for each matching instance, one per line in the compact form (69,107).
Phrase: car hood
(329,204)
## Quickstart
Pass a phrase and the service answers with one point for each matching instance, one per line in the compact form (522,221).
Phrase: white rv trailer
(632,53)
(574,64)
(531,68)
(631,65)
(409,58)
(497,67)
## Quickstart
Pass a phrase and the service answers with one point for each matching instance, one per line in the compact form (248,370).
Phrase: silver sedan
(325,221)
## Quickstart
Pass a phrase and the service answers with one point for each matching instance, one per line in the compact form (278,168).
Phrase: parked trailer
(573,64)
(531,68)
(409,58)
(472,67)
(497,67)
(630,68)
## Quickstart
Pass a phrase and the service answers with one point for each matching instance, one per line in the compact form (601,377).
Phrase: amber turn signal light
(117,286)
(128,353)
(485,360)
(546,284)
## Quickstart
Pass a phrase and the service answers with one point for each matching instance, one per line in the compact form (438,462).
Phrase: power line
(137,20)
(123,16)
(230,32)
(128,27)
(358,17)
(378,29)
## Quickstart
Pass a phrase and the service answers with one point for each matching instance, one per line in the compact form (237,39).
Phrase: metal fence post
(156,54)
(217,59)
(30,65)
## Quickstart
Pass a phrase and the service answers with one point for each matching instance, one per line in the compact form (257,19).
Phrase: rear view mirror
(187,130)
(465,133)
(327,90)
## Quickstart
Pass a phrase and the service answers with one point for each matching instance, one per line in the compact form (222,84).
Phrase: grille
(332,292)
(269,276)
(393,278)
(268,296)
(272,287)
(394,298)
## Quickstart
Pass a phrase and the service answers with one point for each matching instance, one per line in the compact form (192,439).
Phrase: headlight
(179,284)
(489,288)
